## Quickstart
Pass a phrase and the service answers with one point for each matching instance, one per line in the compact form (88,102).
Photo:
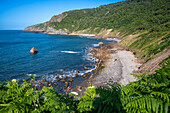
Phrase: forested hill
(144,24)
(126,16)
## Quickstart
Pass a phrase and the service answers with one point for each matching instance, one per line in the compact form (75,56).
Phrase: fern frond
(164,96)
(145,102)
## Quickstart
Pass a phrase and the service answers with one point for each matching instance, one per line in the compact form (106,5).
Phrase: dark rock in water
(100,43)
(63,81)
(66,84)
(43,80)
(65,77)
(55,83)
(86,77)
(33,50)
(36,32)
(77,71)
(85,68)
(77,75)
(39,83)
(70,79)
(57,77)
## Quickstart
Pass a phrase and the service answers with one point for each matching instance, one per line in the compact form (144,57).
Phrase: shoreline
(118,67)
(119,64)
(95,36)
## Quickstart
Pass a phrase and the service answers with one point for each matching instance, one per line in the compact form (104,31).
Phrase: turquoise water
(58,54)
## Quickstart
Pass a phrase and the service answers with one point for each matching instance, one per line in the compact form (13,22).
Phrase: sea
(58,55)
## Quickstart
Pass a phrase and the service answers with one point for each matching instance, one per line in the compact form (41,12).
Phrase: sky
(18,14)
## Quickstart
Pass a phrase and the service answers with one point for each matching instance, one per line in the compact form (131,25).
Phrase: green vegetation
(148,18)
(144,24)
(38,27)
(150,94)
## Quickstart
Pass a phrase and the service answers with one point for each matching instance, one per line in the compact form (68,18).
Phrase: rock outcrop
(58,18)
(100,43)
(46,28)
(51,30)
(38,27)
(33,50)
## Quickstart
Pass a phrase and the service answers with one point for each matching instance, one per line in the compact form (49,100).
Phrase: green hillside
(144,24)
(128,17)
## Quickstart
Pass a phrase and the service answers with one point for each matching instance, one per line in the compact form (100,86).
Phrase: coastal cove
(60,55)
(112,58)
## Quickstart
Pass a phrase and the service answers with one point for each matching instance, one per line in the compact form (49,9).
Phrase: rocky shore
(116,64)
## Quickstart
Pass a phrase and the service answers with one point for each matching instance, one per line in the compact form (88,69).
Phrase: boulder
(49,85)
(58,79)
(39,83)
(70,79)
(100,43)
(77,71)
(66,84)
(43,80)
(85,68)
(55,83)
(63,81)
(79,88)
(33,50)
(76,75)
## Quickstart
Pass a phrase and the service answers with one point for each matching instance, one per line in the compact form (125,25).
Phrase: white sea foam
(69,52)
(31,74)
(71,73)
(95,45)
(90,70)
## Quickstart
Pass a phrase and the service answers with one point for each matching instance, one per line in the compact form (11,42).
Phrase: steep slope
(143,24)
(38,27)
